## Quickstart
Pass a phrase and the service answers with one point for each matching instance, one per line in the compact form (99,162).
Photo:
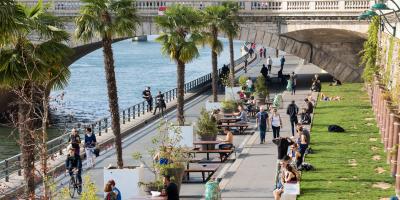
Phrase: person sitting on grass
(226,143)
(305,118)
(326,98)
(288,175)
(335,82)
(309,106)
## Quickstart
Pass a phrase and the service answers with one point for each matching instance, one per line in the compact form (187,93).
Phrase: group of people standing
(160,101)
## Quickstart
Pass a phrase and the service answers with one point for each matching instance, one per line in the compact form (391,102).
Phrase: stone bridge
(325,33)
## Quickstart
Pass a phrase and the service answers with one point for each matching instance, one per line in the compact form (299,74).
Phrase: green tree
(25,65)
(213,18)
(179,38)
(230,27)
(108,19)
(370,51)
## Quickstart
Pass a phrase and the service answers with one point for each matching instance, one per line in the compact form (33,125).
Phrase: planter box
(126,180)
(231,93)
(210,106)
(187,134)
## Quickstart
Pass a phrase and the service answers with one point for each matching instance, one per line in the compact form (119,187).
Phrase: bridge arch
(334,50)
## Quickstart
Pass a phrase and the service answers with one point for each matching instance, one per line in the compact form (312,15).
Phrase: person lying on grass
(327,98)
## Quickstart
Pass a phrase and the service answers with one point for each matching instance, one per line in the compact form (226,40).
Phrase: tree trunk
(27,142)
(112,96)
(214,61)
(181,92)
(43,145)
(232,60)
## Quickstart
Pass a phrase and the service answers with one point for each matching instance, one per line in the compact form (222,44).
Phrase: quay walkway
(250,175)
(132,119)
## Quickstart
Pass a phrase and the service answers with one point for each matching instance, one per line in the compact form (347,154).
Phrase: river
(137,65)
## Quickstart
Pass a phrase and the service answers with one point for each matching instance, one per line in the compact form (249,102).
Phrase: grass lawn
(343,161)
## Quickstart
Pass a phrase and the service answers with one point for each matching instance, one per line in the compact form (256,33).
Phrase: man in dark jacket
(73,163)
(292,111)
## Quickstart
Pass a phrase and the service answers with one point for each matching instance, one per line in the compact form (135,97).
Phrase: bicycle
(74,185)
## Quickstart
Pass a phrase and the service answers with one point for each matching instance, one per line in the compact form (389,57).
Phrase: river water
(137,65)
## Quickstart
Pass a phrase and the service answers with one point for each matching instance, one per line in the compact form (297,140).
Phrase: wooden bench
(210,169)
(240,126)
(290,191)
(208,152)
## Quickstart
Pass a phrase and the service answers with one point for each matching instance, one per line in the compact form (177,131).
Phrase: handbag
(96,151)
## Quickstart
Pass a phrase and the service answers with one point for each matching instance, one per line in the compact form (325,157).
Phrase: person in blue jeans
(262,123)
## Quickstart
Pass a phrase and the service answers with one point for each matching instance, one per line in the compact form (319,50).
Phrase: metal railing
(270,7)
(103,125)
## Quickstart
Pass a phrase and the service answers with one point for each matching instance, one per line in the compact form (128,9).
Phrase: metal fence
(56,145)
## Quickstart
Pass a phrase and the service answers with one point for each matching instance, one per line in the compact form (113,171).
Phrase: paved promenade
(252,175)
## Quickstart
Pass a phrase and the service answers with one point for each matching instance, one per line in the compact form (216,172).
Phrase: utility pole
(278,24)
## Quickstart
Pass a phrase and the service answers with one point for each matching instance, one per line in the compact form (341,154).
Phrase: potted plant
(242,81)
(261,89)
(168,157)
(207,128)
(229,106)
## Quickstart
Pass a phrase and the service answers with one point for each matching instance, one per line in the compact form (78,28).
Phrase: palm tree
(213,16)
(231,27)
(108,19)
(179,38)
(23,64)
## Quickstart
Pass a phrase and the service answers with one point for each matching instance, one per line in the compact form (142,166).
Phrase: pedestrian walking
(293,78)
(265,52)
(75,140)
(149,99)
(245,66)
(90,145)
(264,71)
(293,111)
(251,51)
(261,52)
(282,62)
(276,123)
(269,63)
(249,85)
(262,123)
(160,103)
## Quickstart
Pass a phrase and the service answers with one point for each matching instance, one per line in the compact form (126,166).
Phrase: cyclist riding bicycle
(73,163)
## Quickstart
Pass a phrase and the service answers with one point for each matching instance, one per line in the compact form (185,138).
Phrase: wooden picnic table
(208,152)
(210,169)
(228,114)
(207,143)
(147,198)
(240,126)
(229,120)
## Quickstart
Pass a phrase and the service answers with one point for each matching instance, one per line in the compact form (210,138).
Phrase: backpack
(306,167)
(111,196)
(335,128)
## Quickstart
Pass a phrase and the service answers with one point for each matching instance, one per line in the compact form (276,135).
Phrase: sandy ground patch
(376,157)
(379,170)
(382,185)
(352,162)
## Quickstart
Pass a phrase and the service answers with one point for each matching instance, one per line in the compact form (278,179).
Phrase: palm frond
(125,18)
